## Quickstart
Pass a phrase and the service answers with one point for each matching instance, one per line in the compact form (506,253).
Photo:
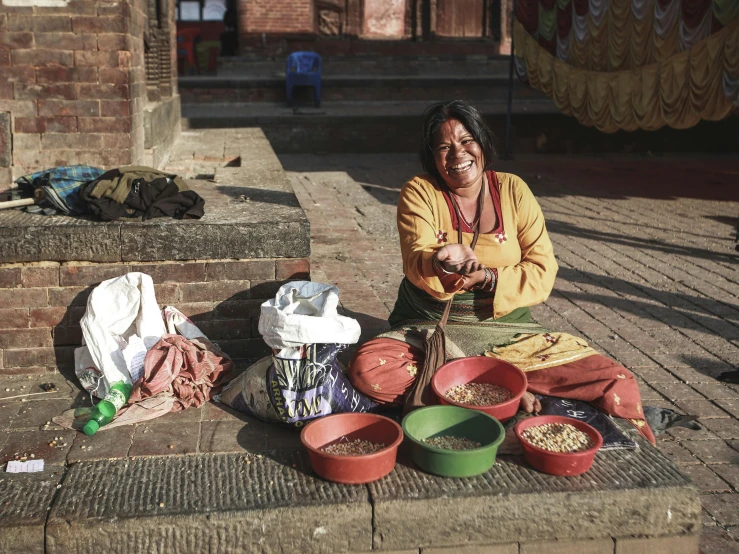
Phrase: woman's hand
(458,258)
(529,403)
(473,280)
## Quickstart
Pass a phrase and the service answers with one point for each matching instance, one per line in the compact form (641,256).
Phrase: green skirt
(470,330)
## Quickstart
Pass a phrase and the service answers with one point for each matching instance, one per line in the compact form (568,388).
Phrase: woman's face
(458,157)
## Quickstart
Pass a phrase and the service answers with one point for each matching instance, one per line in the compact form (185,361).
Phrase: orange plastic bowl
(363,468)
(558,463)
(482,369)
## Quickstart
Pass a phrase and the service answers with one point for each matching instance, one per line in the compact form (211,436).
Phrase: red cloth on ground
(385,369)
(380,370)
(192,370)
(599,380)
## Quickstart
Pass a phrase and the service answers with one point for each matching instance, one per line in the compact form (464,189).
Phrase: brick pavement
(648,273)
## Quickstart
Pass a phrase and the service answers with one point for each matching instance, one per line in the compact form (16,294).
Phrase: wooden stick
(28,394)
(17,203)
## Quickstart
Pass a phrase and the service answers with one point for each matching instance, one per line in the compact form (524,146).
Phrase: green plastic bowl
(441,421)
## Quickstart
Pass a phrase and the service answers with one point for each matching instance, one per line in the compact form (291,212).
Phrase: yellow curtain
(620,24)
(664,47)
(597,46)
(622,41)
(677,91)
(642,40)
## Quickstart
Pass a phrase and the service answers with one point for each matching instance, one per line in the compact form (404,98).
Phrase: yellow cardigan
(526,266)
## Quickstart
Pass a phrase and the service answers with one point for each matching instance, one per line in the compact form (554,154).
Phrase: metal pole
(507,154)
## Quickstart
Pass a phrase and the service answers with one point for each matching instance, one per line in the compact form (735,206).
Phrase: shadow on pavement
(665,177)
(556,227)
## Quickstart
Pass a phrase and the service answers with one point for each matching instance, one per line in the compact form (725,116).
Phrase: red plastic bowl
(352,469)
(558,463)
(482,369)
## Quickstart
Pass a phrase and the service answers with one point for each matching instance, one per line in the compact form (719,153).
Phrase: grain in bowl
(557,437)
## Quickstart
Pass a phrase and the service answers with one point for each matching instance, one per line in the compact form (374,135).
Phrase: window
(201,10)
(188,11)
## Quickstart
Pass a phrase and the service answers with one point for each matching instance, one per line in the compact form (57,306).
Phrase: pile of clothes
(167,359)
(136,192)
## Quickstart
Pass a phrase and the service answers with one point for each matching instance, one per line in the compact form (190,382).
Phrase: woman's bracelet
(493,278)
(490,280)
(485,280)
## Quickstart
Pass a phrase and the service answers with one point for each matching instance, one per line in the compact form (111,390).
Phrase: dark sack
(313,386)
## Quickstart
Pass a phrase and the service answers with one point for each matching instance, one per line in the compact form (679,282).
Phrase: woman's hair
(438,114)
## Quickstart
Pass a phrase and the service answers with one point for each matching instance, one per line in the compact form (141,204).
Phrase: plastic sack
(248,392)
(117,310)
(304,312)
(295,391)
(304,379)
(314,386)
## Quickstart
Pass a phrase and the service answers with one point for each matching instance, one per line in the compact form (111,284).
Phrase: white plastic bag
(179,324)
(116,310)
(302,313)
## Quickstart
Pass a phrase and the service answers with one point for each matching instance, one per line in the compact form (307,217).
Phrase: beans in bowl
(453,443)
(353,448)
(478,394)
(557,437)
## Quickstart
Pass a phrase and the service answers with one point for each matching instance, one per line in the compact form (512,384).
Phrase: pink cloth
(192,370)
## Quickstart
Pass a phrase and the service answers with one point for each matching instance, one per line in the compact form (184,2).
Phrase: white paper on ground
(31,466)
(135,354)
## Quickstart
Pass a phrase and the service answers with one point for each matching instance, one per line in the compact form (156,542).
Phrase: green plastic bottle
(105,410)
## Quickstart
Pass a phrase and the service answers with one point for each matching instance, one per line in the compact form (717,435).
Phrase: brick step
(354,88)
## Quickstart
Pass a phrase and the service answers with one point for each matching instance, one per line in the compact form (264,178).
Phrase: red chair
(186,41)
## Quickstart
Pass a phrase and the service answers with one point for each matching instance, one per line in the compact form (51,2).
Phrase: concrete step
(536,126)
(492,86)
(348,126)
(370,64)
(270,501)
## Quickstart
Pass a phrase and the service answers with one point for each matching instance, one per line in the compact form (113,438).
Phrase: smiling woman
(478,236)
(462,193)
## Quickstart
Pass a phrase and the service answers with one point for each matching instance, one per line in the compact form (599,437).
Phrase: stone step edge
(349,81)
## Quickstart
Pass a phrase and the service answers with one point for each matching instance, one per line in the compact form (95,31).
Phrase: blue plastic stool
(303,69)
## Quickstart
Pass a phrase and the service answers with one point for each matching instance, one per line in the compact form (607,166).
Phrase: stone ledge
(179,504)
(276,504)
(626,493)
(23,510)
(250,212)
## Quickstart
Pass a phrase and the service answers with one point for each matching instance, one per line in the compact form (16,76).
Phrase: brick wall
(73,85)
(41,304)
(275,16)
